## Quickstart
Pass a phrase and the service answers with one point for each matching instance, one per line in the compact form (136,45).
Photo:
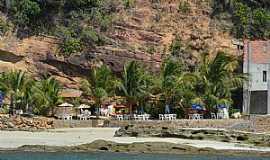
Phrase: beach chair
(126,117)
(220,115)
(119,117)
(167,117)
(146,117)
(136,117)
(213,116)
(161,117)
(66,117)
(196,116)
(173,117)
(141,117)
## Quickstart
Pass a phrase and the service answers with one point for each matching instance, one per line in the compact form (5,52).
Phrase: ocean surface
(113,156)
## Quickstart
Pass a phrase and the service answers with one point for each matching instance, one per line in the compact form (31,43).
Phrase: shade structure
(221,106)
(84,106)
(196,107)
(65,105)
(120,106)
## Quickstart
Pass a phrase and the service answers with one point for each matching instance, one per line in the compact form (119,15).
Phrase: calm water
(112,156)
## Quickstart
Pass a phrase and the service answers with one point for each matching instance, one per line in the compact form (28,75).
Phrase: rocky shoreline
(221,135)
(19,123)
(146,147)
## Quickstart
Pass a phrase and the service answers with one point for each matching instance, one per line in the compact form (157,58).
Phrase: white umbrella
(65,105)
(83,106)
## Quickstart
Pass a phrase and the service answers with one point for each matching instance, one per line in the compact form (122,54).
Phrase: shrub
(261,23)
(128,3)
(176,47)
(151,49)
(71,45)
(25,11)
(82,4)
(105,23)
(4,26)
(251,21)
(184,7)
(90,37)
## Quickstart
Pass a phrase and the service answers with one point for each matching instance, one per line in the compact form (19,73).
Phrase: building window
(264,76)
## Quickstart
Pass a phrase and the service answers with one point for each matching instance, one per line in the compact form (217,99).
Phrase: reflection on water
(112,156)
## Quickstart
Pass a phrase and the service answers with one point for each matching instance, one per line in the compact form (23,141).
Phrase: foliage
(175,84)
(75,38)
(128,3)
(135,83)
(4,26)
(83,4)
(184,7)
(71,45)
(176,47)
(45,95)
(251,18)
(24,11)
(15,85)
(100,84)
(216,79)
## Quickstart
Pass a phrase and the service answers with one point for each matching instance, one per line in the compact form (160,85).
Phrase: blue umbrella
(167,109)
(196,107)
(221,106)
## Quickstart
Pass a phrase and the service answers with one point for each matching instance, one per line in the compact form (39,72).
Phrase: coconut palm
(16,85)
(217,79)
(175,83)
(135,83)
(100,84)
(46,95)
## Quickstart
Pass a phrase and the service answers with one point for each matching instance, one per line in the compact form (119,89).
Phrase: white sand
(71,137)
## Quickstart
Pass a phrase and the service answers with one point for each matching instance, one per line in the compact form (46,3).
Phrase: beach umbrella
(65,105)
(196,107)
(84,106)
(221,106)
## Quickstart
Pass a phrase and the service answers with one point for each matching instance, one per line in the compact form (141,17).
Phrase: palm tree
(16,85)
(135,83)
(100,84)
(46,95)
(175,83)
(217,79)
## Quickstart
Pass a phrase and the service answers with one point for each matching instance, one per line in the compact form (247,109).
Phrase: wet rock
(195,134)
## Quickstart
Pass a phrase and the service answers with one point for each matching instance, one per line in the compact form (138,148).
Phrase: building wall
(255,92)
(258,102)
(256,77)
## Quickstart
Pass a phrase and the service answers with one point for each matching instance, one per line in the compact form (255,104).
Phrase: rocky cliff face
(143,33)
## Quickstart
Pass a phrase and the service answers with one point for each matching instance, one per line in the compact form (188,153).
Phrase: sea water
(114,156)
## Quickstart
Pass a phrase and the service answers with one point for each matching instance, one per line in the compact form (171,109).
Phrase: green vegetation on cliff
(251,18)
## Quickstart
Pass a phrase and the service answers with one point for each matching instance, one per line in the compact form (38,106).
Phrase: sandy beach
(77,136)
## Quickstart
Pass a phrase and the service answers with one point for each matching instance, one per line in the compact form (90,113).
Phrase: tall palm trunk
(12,104)
(130,109)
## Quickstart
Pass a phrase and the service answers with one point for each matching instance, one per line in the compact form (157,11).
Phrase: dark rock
(103,149)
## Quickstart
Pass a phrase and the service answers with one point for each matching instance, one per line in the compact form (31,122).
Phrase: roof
(70,93)
(259,49)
